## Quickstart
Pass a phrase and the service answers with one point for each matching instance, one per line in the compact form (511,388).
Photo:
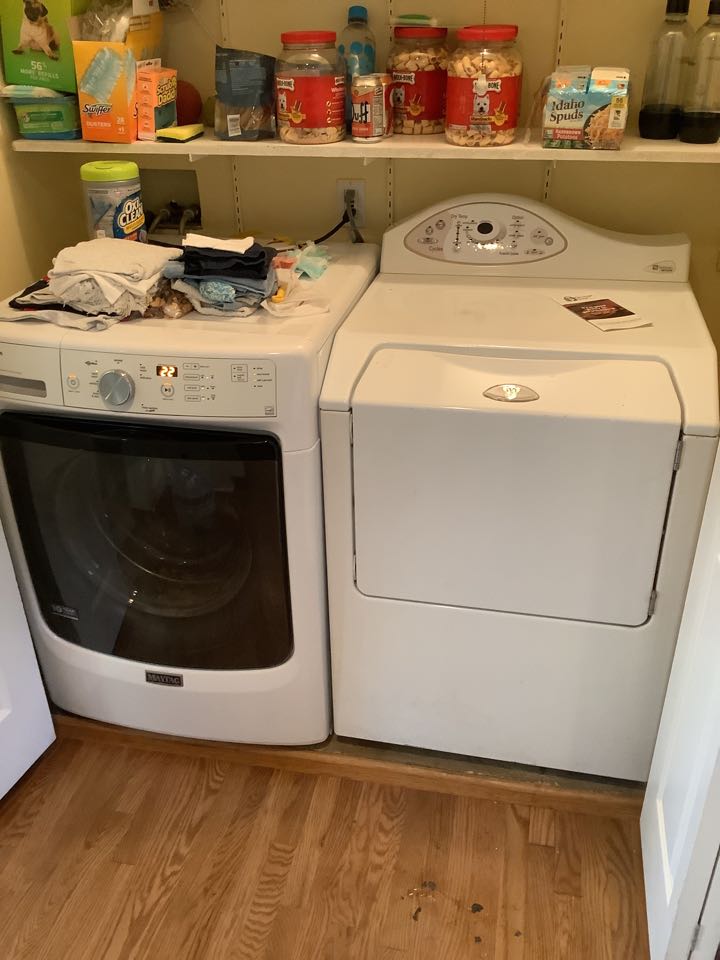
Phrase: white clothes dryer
(519,421)
(161,494)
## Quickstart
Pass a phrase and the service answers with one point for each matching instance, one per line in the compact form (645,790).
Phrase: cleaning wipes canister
(113,201)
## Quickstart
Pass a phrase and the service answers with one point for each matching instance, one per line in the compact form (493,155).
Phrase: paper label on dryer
(602,312)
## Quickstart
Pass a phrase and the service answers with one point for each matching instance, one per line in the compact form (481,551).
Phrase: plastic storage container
(701,104)
(661,110)
(47,118)
(113,202)
(310,88)
(484,86)
(357,47)
(418,65)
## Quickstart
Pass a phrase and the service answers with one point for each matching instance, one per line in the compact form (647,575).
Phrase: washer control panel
(167,385)
(486,234)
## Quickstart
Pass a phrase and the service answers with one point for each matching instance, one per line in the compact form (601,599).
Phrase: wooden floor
(114,850)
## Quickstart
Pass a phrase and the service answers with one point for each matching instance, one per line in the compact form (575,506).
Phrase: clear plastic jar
(310,88)
(418,65)
(484,85)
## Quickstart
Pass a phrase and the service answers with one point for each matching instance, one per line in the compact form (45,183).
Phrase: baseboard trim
(560,792)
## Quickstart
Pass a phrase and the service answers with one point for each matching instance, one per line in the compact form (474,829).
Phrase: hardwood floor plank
(568,858)
(125,853)
(542,827)
(423,849)
(512,906)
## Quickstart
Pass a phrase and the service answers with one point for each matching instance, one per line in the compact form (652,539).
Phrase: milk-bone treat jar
(310,88)
(418,66)
(483,88)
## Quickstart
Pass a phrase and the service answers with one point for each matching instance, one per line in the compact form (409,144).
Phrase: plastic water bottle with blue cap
(357,46)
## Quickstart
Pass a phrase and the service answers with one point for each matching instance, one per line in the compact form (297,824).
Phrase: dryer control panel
(169,385)
(484,234)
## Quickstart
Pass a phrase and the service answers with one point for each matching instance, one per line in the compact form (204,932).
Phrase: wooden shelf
(435,147)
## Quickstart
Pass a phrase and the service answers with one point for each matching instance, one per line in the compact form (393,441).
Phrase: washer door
(157,544)
(528,486)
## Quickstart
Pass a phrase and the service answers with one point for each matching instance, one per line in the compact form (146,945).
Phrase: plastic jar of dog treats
(418,65)
(310,88)
(483,89)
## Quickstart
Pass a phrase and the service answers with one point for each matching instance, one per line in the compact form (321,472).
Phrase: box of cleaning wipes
(586,109)
(36,41)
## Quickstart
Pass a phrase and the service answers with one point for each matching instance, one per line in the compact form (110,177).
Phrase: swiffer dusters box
(107,80)
(37,42)
(157,100)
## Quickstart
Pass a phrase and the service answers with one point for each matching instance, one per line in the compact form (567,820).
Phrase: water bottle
(701,104)
(357,46)
(661,111)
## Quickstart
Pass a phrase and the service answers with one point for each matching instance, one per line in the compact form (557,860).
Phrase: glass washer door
(161,545)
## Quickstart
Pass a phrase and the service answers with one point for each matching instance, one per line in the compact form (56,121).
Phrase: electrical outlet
(359,187)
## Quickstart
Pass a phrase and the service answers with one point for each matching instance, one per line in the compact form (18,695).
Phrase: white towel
(213,243)
(107,256)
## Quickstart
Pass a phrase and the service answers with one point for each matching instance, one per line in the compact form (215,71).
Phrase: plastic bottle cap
(420,33)
(357,12)
(489,31)
(105,171)
(678,6)
(308,37)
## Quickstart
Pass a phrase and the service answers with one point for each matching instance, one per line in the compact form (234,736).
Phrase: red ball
(189,104)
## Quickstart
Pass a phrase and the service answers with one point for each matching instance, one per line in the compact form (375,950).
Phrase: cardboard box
(107,81)
(37,41)
(586,109)
(157,100)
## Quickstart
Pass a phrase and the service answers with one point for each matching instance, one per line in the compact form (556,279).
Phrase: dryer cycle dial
(116,388)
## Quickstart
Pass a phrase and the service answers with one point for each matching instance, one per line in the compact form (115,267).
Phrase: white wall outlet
(359,187)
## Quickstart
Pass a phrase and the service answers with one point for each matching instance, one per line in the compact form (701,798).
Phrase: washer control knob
(116,388)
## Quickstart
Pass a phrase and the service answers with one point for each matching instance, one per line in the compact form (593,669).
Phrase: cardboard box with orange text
(107,81)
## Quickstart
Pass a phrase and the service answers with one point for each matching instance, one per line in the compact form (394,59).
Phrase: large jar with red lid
(483,87)
(310,88)
(418,65)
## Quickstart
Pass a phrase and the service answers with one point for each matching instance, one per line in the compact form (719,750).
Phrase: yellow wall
(41,203)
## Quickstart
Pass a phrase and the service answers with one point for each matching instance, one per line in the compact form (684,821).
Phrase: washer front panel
(171,385)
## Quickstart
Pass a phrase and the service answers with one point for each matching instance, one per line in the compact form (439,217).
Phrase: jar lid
(105,171)
(420,33)
(308,37)
(489,31)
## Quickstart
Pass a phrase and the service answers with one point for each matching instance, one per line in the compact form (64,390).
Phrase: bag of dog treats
(245,86)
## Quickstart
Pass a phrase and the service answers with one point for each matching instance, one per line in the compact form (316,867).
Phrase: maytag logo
(164,679)
(63,610)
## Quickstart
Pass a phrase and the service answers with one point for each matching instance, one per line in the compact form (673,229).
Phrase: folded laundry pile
(94,284)
(226,278)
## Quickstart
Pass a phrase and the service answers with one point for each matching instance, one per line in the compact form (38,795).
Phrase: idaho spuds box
(36,41)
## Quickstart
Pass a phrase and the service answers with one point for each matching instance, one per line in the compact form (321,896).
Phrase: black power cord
(347,218)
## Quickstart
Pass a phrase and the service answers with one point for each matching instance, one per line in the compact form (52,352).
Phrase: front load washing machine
(519,421)
(161,494)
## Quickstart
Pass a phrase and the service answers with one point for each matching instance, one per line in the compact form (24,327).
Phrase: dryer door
(527,486)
